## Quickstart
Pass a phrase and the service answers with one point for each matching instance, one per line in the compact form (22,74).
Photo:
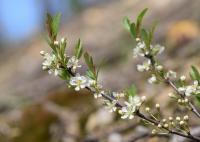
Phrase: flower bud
(179,101)
(164,120)
(137,39)
(56,42)
(154,131)
(178,118)
(159,125)
(182,78)
(181,122)
(42,52)
(143,98)
(157,106)
(186,100)
(159,67)
(166,125)
(63,40)
(147,109)
(170,118)
(186,117)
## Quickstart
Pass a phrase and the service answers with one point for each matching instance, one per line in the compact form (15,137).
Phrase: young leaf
(145,37)
(126,23)
(194,74)
(133,30)
(78,49)
(139,20)
(49,20)
(151,33)
(198,99)
(131,91)
(55,24)
(89,62)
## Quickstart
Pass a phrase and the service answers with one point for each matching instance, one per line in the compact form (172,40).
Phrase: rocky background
(37,107)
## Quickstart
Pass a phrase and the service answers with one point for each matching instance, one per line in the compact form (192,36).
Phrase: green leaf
(78,49)
(151,34)
(133,30)
(198,99)
(194,74)
(89,62)
(90,74)
(131,91)
(139,19)
(126,23)
(145,37)
(52,25)
(55,24)
(64,74)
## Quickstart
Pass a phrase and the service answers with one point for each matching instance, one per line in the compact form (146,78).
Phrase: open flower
(73,63)
(152,79)
(48,60)
(144,67)
(139,49)
(170,75)
(98,94)
(111,105)
(79,82)
(131,107)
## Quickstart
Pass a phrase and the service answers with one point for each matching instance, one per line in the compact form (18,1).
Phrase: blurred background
(37,107)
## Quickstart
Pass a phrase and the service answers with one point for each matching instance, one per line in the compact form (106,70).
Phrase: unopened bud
(137,39)
(186,100)
(63,40)
(182,78)
(157,106)
(178,118)
(143,98)
(159,67)
(166,125)
(42,52)
(147,109)
(186,117)
(170,118)
(164,120)
(56,42)
(154,131)
(159,125)
(179,101)
(182,123)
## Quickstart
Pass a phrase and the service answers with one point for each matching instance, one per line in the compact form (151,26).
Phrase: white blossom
(159,67)
(160,47)
(118,94)
(56,42)
(170,74)
(98,94)
(139,49)
(152,79)
(73,63)
(182,78)
(111,105)
(144,67)
(48,60)
(130,107)
(79,82)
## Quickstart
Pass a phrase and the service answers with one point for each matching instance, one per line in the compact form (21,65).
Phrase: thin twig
(169,82)
(140,115)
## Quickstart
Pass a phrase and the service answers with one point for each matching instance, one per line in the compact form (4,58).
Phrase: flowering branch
(126,103)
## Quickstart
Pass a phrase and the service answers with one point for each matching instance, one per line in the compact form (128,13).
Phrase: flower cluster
(142,49)
(190,89)
(131,106)
(126,103)
(49,63)
(73,63)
